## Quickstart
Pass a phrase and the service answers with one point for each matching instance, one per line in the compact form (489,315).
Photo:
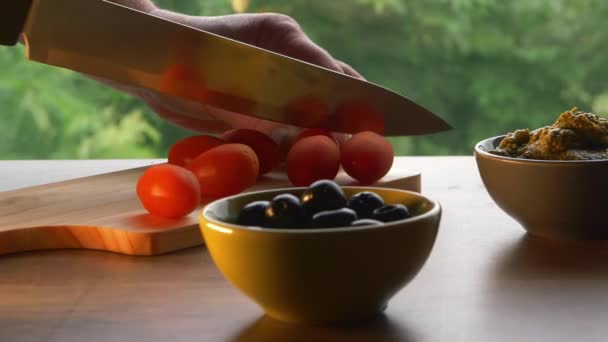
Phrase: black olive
(253,214)
(285,211)
(334,218)
(321,196)
(366,222)
(364,203)
(390,213)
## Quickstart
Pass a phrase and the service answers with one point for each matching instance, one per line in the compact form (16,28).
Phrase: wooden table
(484,281)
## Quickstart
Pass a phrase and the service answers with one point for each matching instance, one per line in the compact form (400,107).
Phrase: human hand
(274,32)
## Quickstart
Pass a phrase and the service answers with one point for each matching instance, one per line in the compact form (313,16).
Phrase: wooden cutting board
(102,212)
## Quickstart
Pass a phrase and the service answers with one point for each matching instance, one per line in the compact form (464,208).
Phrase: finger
(199,125)
(348,70)
(301,47)
(274,32)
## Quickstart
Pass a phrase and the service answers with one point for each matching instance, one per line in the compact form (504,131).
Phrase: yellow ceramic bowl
(549,198)
(321,275)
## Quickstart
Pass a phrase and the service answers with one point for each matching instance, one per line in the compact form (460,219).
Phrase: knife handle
(13,14)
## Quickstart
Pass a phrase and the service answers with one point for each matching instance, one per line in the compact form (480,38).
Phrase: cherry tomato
(355,117)
(367,157)
(312,159)
(314,132)
(168,190)
(185,150)
(225,170)
(265,148)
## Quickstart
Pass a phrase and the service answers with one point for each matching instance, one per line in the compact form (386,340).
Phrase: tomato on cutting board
(312,159)
(311,132)
(185,150)
(367,157)
(225,170)
(169,191)
(266,149)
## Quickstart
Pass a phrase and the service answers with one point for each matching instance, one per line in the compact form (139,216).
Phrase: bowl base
(364,315)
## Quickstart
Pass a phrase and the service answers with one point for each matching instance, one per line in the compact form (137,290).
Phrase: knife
(181,63)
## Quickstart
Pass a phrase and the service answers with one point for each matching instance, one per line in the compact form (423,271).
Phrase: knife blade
(182,63)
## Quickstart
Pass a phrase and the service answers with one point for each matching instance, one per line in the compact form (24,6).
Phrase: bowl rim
(435,210)
(480,150)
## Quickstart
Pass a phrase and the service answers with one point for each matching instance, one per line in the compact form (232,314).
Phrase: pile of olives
(322,205)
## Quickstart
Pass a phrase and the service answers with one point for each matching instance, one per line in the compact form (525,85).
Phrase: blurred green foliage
(486,66)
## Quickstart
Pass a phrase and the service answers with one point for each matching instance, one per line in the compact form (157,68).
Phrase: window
(486,66)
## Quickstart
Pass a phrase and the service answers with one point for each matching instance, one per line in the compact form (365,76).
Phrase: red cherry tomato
(225,170)
(168,190)
(314,132)
(185,150)
(312,159)
(367,157)
(265,148)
